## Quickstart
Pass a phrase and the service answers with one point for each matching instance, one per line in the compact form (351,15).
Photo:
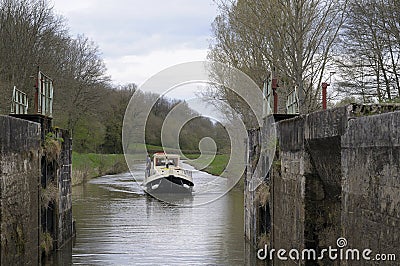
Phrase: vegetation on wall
(52,147)
(49,194)
(46,245)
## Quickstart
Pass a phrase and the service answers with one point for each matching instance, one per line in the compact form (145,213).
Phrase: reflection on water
(117,224)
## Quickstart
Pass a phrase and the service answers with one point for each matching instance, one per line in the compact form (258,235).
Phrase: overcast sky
(138,38)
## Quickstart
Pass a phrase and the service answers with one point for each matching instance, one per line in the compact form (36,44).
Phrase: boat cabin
(165,160)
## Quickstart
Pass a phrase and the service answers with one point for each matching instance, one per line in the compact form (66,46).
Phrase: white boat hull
(164,175)
(170,184)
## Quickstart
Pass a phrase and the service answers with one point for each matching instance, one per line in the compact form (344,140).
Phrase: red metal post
(274,86)
(324,91)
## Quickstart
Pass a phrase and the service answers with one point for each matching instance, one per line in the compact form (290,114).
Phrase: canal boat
(164,175)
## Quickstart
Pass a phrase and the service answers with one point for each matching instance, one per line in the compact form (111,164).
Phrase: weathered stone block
(338,176)
(19,191)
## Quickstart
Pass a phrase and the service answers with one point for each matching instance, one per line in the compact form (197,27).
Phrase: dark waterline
(117,224)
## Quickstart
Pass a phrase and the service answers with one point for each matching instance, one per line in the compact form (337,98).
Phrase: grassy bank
(216,167)
(90,165)
(153,149)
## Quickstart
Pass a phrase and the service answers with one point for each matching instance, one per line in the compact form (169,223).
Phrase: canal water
(118,224)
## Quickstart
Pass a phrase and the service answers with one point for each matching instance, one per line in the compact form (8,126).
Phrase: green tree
(114,116)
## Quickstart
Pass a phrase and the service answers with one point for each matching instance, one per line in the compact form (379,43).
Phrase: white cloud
(136,9)
(139,38)
(138,68)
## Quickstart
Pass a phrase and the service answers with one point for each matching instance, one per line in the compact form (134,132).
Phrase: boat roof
(162,154)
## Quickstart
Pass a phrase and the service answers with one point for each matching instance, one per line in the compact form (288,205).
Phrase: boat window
(160,161)
(165,161)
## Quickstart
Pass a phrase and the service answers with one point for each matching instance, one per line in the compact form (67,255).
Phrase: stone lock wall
(35,189)
(19,191)
(335,174)
(64,171)
(371,184)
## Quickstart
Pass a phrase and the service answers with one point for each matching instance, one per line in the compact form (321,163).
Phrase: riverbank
(216,167)
(86,166)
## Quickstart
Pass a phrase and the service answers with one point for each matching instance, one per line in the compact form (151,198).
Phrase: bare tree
(24,27)
(82,80)
(289,39)
(33,35)
(370,52)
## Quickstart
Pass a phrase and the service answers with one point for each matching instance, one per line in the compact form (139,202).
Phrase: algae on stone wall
(52,147)
(46,245)
(49,194)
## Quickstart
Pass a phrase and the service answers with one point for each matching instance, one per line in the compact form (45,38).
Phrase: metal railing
(44,95)
(19,104)
(292,103)
(268,98)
